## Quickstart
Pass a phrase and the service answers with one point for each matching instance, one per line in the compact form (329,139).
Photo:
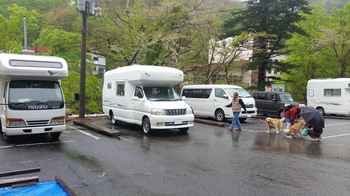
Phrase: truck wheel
(111,117)
(321,110)
(184,131)
(55,136)
(219,115)
(146,125)
(242,120)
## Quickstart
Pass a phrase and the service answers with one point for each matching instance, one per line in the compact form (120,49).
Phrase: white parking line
(84,132)
(35,144)
(336,124)
(89,134)
(334,136)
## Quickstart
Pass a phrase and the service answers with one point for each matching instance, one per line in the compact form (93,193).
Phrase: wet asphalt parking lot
(208,161)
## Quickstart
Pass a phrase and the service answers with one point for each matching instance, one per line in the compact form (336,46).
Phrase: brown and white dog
(294,130)
(274,124)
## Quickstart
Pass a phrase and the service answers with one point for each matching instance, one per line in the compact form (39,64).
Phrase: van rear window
(197,93)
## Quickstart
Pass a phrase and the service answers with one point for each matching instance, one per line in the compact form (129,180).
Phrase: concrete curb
(101,130)
(209,122)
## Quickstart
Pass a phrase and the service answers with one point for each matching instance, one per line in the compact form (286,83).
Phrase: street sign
(89,4)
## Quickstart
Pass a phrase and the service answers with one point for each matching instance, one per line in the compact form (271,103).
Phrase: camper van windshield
(35,95)
(242,92)
(161,94)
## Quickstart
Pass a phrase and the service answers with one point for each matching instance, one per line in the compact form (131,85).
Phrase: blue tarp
(51,188)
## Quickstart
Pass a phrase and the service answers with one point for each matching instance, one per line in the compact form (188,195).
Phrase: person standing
(237,104)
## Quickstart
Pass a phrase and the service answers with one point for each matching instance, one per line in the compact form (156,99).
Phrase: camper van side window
(120,89)
(332,92)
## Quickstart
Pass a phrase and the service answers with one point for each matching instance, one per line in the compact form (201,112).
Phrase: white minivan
(31,97)
(329,96)
(211,101)
(145,95)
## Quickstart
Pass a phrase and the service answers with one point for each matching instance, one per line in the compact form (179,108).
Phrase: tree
(273,21)
(11,33)
(312,54)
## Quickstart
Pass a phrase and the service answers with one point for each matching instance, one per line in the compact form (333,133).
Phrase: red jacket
(292,113)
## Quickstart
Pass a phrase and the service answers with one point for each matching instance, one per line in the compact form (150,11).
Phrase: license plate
(249,116)
(178,122)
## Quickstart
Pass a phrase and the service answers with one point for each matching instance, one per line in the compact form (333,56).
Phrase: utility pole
(25,34)
(84,30)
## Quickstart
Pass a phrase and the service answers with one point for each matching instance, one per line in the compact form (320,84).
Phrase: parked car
(32,101)
(329,96)
(145,95)
(211,101)
(272,103)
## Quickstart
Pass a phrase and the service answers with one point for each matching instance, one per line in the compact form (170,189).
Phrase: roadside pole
(84,30)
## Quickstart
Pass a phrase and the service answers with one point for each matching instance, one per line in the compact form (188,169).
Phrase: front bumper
(33,130)
(171,122)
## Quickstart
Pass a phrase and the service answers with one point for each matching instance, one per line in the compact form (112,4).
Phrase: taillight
(58,120)
(15,123)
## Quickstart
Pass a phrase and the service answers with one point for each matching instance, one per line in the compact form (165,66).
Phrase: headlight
(15,123)
(158,112)
(58,120)
(189,111)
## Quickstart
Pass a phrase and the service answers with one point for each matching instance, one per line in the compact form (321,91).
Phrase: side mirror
(225,97)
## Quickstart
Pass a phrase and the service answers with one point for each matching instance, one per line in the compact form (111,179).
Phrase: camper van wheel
(112,118)
(219,115)
(55,136)
(146,125)
(242,120)
(321,110)
(184,131)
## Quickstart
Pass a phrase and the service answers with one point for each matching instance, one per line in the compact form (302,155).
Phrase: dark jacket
(241,103)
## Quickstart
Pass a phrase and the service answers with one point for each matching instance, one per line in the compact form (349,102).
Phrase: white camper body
(145,95)
(31,99)
(329,96)
(211,101)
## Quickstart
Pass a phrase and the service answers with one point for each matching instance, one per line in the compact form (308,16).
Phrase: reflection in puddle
(278,143)
(235,138)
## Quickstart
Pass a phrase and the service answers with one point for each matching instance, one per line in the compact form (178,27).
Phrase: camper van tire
(321,110)
(55,136)
(242,120)
(184,131)
(219,115)
(112,118)
(146,125)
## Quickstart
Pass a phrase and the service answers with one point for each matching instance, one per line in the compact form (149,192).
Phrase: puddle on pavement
(91,163)
(278,143)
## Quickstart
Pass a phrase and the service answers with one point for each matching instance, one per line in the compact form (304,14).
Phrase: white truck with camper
(31,96)
(211,101)
(145,95)
(329,96)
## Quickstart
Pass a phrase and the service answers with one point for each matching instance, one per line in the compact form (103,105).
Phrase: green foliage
(93,93)
(272,21)
(323,52)
(11,34)
(61,43)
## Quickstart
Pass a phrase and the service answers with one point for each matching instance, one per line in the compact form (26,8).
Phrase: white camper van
(211,101)
(145,95)
(31,97)
(329,96)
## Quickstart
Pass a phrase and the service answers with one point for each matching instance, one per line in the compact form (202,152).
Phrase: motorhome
(329,96)
(31,96)
(211,101)
(145,95)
